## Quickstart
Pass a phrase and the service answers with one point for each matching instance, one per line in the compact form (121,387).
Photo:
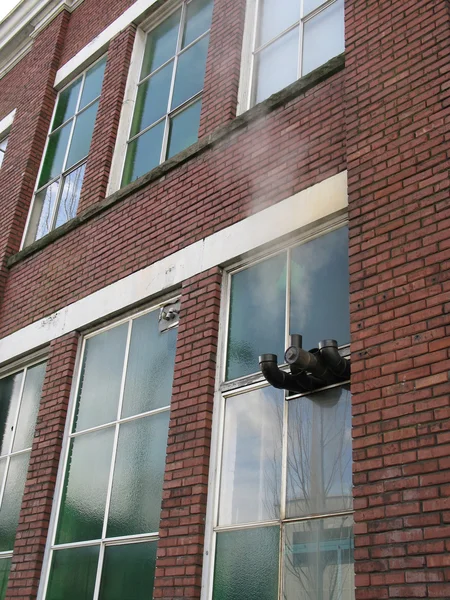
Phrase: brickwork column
(98,165)
(180,548)
(40,484)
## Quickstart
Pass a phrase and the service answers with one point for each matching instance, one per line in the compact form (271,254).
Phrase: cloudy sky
(6,6)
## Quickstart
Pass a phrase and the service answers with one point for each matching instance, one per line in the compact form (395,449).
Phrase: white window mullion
(98,577)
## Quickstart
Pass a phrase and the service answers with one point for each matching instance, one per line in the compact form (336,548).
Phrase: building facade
(183,186)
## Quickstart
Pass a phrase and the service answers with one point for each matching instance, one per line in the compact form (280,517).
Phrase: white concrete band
(6,122)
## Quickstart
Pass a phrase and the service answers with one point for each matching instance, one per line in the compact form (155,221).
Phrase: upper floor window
(62,170)
(3,144)
(169,89)
(286,40)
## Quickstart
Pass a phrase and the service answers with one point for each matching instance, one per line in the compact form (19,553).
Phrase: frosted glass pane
(43,209)
(320,289)
(184,129)
(67,104)
(70,196)
(323,37)
(84,494)
(137,491)
(54,156)
(190,72)
(152,99)
(29,407)
(128,572)
(148,383)
(318,560)
(82,135)
(257,315)
(246,566)
(161,44)
(72,575)
(5,566)
(9,398)
(276,16)
(93,83)
(251,463)
(276,65)
(319,461)
(101,376)
(144,153)
(12,500)
(198,20)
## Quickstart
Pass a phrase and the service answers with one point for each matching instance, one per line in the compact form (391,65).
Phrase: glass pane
(198,20)
(257,315)
(42,216)
(318,560)
(151,361)
(128,572)
(101,376)
(319,461)
(246,565)
(184,129)
(320,289)
(9,399)
(137,491)
(144,153)
(152,99)
(12,499)
(190,72)
(85,486)
(82,135)
(161,44)
(56,151)
(73,572)
(93,83)
(310,5)
(29,407)
(5,566)
(67,103)
(323,37)
(70,196)
(277,65)
(276,16)
(251,463)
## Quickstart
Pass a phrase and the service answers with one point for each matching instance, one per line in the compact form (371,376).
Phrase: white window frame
(5,128)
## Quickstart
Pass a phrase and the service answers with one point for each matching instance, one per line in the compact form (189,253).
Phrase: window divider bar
(276,38)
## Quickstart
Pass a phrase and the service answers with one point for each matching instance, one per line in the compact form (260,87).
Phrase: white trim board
(6,122)
(301,210)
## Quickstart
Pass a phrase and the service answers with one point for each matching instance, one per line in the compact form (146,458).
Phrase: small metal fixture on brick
(169,316)
(309,371)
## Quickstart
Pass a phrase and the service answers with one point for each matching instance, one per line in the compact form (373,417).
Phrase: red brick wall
(398,149)
(13,86)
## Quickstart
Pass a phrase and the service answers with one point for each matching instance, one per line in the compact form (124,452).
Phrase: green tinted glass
(161,44)
(9,399)
(143,154)
(198,20)
(152,99)
(82,135)
(5,566)
(184,129)
(190,72)
(72,575)
(12,499)
(93,83)
(56,151)
(29,407)
(67,103)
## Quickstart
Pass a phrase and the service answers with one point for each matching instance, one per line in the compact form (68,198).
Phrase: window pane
(101,376)
(310,5)
(9,398)
(93,83)
(42,216)
(152,99)
(319,461)
(84,494)
(144,153)
(257,315)
(320,289)
(5,566)
(29,407)
(190,72)
(73,572)
(150,367)
(184,129)
(161,44)
(128,572)
(323,37)
(276,16)
(198,20)
(54,157)
(70,196)
(137,491)
(318,560)
(82,135)
(246,564)
(276,65)
(67,104)
(251,464)
(12,499)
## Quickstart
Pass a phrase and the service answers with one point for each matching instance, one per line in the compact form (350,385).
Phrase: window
(282,522)
(62,170)
(20,395)
(3,144)
(104,542)
(168,102)
(287,40)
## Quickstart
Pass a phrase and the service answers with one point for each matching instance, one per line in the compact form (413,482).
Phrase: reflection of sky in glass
(48,198)
(70,196)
